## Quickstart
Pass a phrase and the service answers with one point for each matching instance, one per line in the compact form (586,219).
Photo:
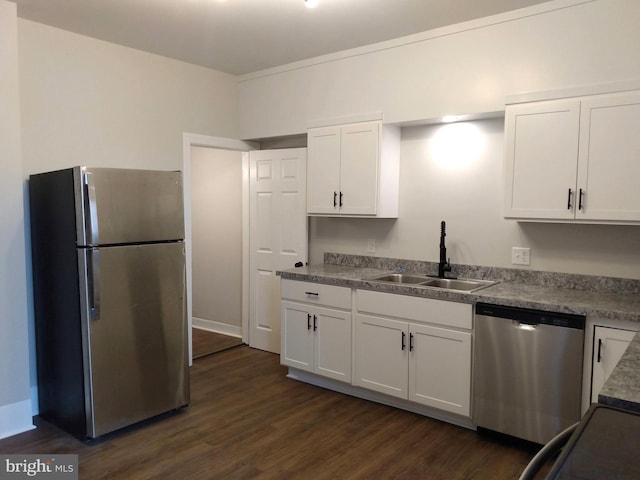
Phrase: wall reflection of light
(455,146)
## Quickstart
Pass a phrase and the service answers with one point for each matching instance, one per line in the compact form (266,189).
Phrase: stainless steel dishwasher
(527,365)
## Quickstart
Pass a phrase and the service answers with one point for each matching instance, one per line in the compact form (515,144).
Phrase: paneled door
(277,235)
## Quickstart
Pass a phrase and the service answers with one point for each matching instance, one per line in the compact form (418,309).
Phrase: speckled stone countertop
(622,388)
(603,298)
(594,297)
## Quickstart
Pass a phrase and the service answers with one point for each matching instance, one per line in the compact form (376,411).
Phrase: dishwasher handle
(532,316)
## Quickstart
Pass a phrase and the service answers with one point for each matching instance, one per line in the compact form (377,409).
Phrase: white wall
(89,102)
(216,232)
(454,172)
(463,69)
(15,403)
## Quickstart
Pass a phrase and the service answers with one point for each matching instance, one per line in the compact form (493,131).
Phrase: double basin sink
(454,284)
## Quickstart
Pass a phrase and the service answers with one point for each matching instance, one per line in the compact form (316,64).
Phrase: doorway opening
(215,174)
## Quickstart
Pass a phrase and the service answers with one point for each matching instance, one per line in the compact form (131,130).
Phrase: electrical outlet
(371,245)
(520,256)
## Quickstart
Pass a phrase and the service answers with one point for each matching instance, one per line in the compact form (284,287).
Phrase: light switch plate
(520,256)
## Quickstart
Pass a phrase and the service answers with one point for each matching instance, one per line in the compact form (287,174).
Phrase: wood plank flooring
(247,421)
(205,342)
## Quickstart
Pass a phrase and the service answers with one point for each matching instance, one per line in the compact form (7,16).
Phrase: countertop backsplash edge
(593,283)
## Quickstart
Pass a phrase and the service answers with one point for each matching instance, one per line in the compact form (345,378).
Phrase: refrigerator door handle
(92,211)
(94,284)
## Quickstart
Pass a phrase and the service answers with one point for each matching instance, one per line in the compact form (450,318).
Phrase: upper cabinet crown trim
(355,118)
(576,91)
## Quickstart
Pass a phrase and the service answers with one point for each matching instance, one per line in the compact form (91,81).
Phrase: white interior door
(277,235)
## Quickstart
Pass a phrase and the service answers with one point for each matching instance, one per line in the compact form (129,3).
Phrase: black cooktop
(604,446)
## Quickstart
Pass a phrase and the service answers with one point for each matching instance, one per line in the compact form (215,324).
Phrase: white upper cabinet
(323,169)
(353,170)
(541,138)
(574,160)
(609,158)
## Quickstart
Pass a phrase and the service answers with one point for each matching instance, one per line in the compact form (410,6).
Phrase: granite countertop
(602,305)
(595,297)
(622,388)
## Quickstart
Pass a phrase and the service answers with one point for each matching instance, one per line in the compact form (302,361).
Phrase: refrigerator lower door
(135,331)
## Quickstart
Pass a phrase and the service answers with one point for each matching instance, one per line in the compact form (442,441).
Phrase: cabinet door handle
(403,341)
(308,321)
(599,350)
(411,342)
(569,200)
(315,294)
(341,199)
(315,323)
(335,199)
(580,199)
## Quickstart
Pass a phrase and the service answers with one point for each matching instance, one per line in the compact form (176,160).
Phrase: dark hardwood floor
(247,421)
(205,342)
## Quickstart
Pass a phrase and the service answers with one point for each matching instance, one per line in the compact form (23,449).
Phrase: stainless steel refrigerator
(109,296)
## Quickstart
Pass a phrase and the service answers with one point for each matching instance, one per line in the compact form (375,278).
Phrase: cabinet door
(541,159)
(608,346)
(296,336)
(333,344)
(323,170)
(440,368)
(609,166)
(359,163)
(381,355)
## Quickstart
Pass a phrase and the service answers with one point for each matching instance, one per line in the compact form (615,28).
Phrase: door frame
(221,143)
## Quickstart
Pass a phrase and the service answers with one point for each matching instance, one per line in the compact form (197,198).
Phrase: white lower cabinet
(411,348)
(608,346)
(422,353)
(440,368)
(381,355)
(316,338)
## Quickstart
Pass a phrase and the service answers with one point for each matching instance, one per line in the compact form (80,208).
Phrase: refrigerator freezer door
(119,206)
(137,350)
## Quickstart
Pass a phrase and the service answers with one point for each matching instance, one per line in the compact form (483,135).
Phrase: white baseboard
(15,418)
(217,327)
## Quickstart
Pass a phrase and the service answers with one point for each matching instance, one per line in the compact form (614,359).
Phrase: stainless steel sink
(458,284)
(455,284)
(400,278)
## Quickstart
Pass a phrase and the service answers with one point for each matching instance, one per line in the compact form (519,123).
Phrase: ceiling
(243,36)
